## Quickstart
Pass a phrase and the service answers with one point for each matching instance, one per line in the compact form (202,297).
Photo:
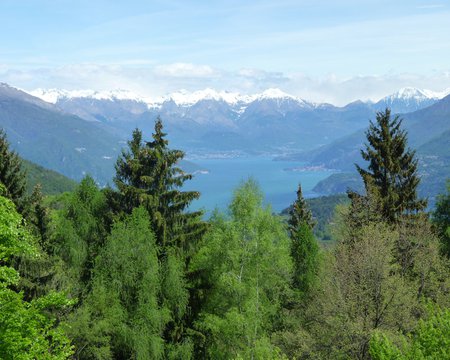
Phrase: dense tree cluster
(131,273)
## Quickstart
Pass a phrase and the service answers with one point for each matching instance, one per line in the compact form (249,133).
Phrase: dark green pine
(304,246)
(148,174)
(392,169)
(299,213)
(12,174)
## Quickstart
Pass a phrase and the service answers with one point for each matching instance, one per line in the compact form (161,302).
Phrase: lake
(278,184)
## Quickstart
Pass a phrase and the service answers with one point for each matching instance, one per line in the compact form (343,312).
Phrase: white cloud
(185,70)
(163,79)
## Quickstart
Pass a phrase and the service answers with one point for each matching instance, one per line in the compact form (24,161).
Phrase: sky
(322,50)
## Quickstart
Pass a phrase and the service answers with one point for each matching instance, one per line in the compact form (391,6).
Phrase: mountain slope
(52,182)
(66,143)
(408,100)
(422,126)
(208,120)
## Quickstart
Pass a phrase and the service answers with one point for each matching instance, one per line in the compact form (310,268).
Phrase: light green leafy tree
(361,291)
(247,260)
(123,317)
(429,341)
(80,229)
(27,329)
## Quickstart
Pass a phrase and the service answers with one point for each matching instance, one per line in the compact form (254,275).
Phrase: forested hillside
(52,182)
(130,272)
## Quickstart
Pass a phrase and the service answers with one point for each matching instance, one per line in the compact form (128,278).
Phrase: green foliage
(392,170)
(304,247)
(27,331)
(430,340)
(361,291)
(248,268)
(299,214)
(306,257)
(38,216)
(51,182)
(122,317)
(80,230)
(148,175)
(322,209)
(12,175)
(441,219)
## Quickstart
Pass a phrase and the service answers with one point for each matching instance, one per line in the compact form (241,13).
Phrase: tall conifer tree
(12,174)
(148,175)
(300,213)
(304,247)
(392,170)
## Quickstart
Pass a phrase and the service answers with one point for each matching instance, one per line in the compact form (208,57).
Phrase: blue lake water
(278,184)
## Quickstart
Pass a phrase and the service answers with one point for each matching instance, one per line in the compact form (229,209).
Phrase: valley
(227,137)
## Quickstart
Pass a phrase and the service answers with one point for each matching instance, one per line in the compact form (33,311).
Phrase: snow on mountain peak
(53,95)
(186,98)
(274,93)
(181,97)
(412,93)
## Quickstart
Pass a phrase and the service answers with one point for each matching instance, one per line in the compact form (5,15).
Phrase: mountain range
(78,132)
(272,121)
(428,133)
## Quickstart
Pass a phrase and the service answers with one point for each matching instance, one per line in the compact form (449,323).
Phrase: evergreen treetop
(392,170)
(299,213)
(148,175)
(304,246)
(12,174)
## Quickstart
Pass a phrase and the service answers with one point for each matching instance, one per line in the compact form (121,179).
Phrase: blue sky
(321,50)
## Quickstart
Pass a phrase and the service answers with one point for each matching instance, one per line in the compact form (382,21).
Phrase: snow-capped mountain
(410,99)
(54,95)
(182,98)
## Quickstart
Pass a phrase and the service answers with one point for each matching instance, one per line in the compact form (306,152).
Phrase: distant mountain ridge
(44,134)
(428,132)
(180,98)
(409,96)
(82,132)
(272,121)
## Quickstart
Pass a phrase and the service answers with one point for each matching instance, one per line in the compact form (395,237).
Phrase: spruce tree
(392,170)
(299,213)
(148,175)
(304,247)
(12,174)
(39,218)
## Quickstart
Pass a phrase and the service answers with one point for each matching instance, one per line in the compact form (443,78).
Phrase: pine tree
(148,175)
(39,216)
(299,213)
(392,169)
(304,247)
(12,174)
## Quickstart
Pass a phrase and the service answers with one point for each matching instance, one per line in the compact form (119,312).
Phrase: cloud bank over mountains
(159,80)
